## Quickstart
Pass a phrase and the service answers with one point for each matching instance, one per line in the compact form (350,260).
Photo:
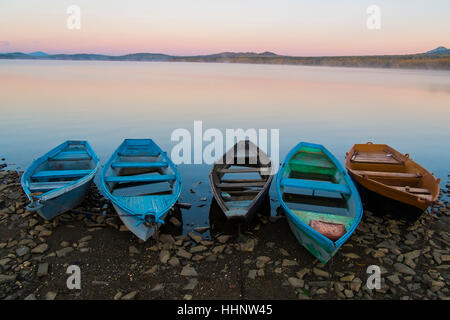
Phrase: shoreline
(390,62)
(264,262)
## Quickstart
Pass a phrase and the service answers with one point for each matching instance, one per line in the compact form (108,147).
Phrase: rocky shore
(263,262)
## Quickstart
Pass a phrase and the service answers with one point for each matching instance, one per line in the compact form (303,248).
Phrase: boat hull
(381,205)
(141,231)
(321,251)
(63,203)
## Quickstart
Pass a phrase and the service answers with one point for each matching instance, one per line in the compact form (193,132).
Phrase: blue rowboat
(58,181)
(322,204)
(142,183)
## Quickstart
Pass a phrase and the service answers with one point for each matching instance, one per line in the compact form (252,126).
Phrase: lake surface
(43,103)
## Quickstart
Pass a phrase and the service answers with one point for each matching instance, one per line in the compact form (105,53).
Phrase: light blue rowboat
(58,181)
(142,183)
(322,204)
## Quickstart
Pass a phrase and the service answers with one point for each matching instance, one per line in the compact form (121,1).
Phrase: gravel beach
(263,262)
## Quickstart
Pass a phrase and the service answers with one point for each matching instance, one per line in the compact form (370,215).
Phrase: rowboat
(322,204)
(58,181)
(391,180)
(142,183)
(240,180)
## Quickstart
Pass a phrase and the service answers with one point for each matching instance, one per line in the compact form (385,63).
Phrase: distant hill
(438,58)
(38,54)
(438,50)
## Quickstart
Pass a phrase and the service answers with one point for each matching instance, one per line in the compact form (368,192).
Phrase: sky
(190,27)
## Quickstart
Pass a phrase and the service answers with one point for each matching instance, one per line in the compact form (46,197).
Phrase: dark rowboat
(241,180)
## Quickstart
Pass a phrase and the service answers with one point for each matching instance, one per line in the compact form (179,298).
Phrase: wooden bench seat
(413,190)
(152,178)
(241,185)
(139,165)
(71,156)
(46,186)
(243,170)
(60,174)
(315,185)
(389,174)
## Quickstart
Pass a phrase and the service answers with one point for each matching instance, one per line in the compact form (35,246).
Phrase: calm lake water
(43,103)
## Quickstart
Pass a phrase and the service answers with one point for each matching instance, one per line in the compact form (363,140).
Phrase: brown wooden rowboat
(241,180)
(385,171)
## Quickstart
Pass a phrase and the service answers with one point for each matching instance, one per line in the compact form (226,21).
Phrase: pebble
(184,254)
(348,278)
(195,237)
(22,251)
(40,248)
(198,248)
(132,250)
(400,267)
(320,273)
(261,261)
(30,297)
(192,283)
(164,256)
(175,222)
(174,262)
(289,263)
(64,252)
(152,270)
(130,296)
(189,271)
(252,274)
(223,238)
(157,287)
(50,295)
(42,270)
(166,238)
(296,283)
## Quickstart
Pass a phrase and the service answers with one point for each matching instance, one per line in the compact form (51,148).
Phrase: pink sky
(188,27)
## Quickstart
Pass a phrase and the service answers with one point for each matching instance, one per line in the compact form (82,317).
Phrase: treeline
(405,61)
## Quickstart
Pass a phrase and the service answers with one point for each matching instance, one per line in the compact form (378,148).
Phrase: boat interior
(385,165)
(140,176)
(73,162)
(245,172)
(315,190)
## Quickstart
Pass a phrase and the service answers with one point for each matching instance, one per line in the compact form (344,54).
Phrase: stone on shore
(189,271)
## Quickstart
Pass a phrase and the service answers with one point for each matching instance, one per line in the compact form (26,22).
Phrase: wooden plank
(60,174)
(243,192)
(413,190)
(315,185)
(242,180)
(243,170)
(388,174)
(153,178)
(425,196)
(241,185)
(138,165)
(45,186)
(71,156)
(372,157)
